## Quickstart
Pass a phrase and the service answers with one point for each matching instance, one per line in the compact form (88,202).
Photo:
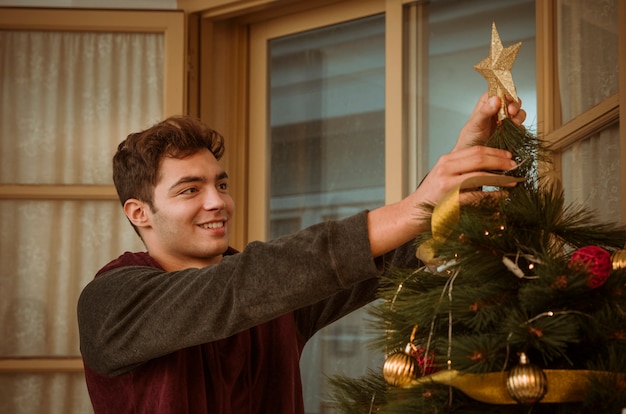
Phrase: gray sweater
(131,316)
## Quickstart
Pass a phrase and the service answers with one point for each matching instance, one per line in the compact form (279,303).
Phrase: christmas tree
(520,305)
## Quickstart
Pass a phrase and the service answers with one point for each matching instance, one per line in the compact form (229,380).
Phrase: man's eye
(190,190)
(223,186)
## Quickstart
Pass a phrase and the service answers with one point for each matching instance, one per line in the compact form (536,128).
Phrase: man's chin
(217,251)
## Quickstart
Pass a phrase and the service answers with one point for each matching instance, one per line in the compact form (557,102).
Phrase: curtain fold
(591,174)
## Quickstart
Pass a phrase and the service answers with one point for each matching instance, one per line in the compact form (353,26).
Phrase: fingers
(480,123)
(472,197)
(469,158)
(475,158)
(519,117)
(454,168)
(515,111)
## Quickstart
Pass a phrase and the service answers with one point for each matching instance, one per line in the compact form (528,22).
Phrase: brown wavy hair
(137,160)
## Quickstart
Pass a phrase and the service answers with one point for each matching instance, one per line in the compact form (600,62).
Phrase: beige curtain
(588,74)
(591,174)
(68,99)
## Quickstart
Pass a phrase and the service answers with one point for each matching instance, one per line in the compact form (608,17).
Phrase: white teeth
(215,225)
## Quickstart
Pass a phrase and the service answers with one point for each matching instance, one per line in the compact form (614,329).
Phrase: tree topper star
(496,67)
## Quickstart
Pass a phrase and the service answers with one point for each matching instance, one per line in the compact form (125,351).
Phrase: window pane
(587,54)
(60,393)
(327,160)
(460,34)
(327,122)
(70,98)
(49,251)
(591,174)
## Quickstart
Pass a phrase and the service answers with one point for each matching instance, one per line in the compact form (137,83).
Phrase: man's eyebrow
(186,180)
(197,179)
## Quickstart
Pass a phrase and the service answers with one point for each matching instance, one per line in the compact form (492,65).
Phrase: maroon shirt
(254,371)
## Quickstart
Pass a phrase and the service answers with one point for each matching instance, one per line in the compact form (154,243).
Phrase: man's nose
(213,200)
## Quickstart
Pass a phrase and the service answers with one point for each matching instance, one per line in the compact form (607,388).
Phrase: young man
(191,326)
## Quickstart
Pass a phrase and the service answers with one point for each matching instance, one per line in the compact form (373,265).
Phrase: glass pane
(587,54)
(459,38)
(327,157)
(591,174)
(70,97)
(49,250)
(58,394)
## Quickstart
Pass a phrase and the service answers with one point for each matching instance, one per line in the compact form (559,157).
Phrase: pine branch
(359,396)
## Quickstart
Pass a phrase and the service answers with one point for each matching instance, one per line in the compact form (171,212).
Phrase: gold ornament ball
(399,369)
(618,259)
(527,383)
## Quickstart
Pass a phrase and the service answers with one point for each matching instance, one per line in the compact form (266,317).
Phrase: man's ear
(137,212)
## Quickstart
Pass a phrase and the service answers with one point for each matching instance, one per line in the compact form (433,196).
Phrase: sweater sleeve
(130,315)
(312,318)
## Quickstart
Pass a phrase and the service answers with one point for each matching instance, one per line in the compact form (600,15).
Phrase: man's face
(190,224)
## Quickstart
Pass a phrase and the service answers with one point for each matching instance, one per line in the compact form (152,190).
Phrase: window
(320,103)
(322,106)
(71,95)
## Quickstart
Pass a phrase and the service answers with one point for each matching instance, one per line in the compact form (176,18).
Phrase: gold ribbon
(447,213)
(563,385)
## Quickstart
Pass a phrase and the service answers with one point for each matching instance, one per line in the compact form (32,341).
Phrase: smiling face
(190,223)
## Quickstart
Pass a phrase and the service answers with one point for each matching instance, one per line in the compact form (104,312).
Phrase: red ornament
(596,260)
(424,361)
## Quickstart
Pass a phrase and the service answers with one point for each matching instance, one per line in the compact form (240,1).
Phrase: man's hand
(395,224)
(482,121)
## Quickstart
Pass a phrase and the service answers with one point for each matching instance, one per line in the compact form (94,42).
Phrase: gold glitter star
(496,67)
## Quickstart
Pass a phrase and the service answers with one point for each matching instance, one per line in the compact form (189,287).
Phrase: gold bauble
(618,259)
(527,383)
(399,369)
